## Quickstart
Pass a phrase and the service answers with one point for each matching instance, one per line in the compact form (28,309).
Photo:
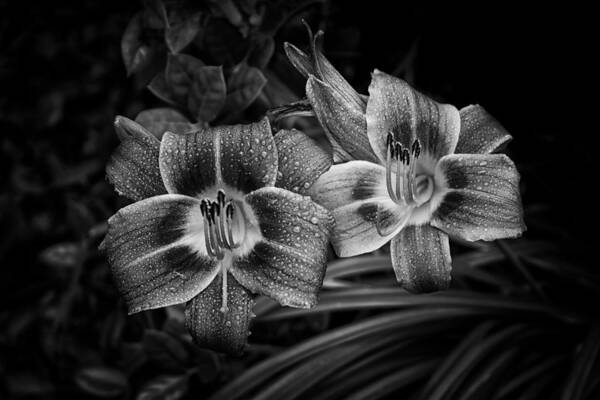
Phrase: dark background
(62,81)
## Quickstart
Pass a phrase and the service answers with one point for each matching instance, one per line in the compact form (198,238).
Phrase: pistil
(220,218)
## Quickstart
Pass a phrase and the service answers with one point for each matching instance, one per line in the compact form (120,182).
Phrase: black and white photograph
(297,199)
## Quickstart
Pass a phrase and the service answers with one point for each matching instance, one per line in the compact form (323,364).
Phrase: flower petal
(188,162)
(133,166)
(394,106)
(212,328)
(154,251)
(241,156)
(350,182)
(289,263)
(160,120)
(301,161)
(421,258)
(318,65)
(248,155)
(480,133)
(299,59)
(343,122)
(482,199)
(365,216)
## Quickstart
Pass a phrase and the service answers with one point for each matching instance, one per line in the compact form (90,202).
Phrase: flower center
(404,186)
(224,230)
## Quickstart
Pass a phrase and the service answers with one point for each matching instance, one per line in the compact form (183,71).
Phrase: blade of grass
(464,358)
(405,323)
(374,298)
(306,375)
(516,262)
(397,380)
(586,358)
(541,368)
(480,385)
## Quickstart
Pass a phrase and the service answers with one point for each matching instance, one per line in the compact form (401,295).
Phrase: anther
(221,197)
(406,156)
(390,141)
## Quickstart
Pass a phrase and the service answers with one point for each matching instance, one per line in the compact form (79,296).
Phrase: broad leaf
(136,55)
(101,381)
(243,87)
(164,387)
(182,32)
(179,74)
(207,93)
(165,350)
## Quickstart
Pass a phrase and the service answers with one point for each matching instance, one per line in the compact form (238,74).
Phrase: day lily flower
(210,229)
(417,171)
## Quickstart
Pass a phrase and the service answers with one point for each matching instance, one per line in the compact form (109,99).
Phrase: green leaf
(164,387)
(182,32)
(207,93)
(263,47)
(164,350)
(161,89)
(101,381)
(62,255)
(179,74)
(160,120)
(244,84)
(136,55)
(224,43)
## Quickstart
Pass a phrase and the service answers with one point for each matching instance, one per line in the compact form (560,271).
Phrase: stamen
(405,191)
(218,249)
(408,178)
(242,218)
(399,173)
(221,197)
(388,169)
(207,237)
(216,212)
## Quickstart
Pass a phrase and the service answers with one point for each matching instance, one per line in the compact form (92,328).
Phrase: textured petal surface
(482,199)
(421,258)
(152,247)
(160,120)
(299,59)
(248,155)
(133,166)
(350,182)
(394,106)
(318,65)
(210,327)
(356,195)
(480,133)
(343,122)
(241,156)
(289,263)
(188,163)
(301,161)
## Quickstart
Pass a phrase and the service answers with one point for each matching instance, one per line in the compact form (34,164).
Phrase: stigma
(404,186)
(224,231)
